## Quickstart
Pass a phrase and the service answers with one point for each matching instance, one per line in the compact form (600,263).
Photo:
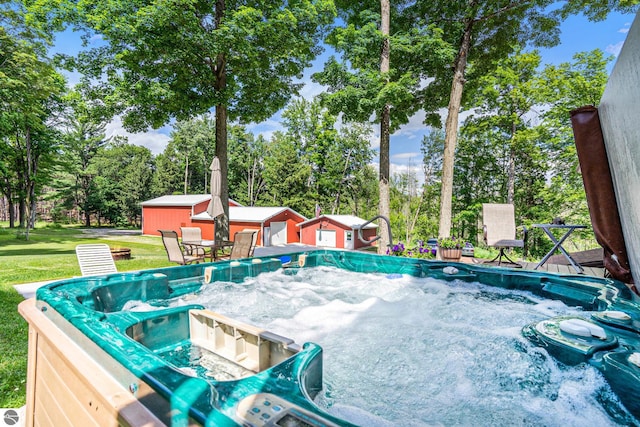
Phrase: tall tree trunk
(451,130)
(30,183)
(11,208)
(22,211)
(12,214)
(222,222)
(82,197)
(383,181)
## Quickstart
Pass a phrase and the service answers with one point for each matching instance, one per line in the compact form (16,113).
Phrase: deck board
(563,269)
(546,268)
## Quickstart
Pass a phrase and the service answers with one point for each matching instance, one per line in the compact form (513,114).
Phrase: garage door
(278,233)
(326,238)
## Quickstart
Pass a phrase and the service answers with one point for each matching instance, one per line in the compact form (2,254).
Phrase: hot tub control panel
(269,410)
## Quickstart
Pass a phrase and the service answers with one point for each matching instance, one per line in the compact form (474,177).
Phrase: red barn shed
(336,231)
(175,211)
(275,225)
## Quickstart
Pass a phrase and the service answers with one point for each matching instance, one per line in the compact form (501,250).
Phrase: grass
(48,254)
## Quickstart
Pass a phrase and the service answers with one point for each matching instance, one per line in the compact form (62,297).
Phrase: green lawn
(48,254)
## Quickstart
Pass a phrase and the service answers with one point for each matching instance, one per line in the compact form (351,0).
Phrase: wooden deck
(547,267)
(564,269)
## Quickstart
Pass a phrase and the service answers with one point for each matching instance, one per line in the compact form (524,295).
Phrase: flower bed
(420,251)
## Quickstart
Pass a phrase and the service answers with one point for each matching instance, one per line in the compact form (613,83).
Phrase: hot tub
(95,359)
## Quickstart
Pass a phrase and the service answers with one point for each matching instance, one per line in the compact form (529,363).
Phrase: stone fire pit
(120,253)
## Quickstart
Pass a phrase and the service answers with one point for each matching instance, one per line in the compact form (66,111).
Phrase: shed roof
(180,200)
(350,221)
(249,213)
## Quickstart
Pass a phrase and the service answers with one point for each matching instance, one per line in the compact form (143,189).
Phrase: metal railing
(368,242)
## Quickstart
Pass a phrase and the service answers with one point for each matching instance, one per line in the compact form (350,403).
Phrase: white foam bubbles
(413,352)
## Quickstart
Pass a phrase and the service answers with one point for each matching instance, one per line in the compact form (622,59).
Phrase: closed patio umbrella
(215,208)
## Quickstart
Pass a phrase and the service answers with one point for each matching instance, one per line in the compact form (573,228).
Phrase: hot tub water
(408,351)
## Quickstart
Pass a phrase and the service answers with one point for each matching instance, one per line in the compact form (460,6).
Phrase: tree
(246,167)
(432,146)
(596,10)
(183,166)
(504,102)
(388,86)
(348,166)
(362,188)
(482,32)
(124,181)
(30,92)
(286,176)
(318,160)
(384,202)
(167,178)
(333,155)
(405,202)
(83,136)
(565,87)
(163,60)
(518,146)
(190,146)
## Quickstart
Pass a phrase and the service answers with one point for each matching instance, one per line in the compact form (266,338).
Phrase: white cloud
(414,128)
(266,128)
(625,29)
(311,89)
(410,168)
(409,155)
(614,49)
(155,140)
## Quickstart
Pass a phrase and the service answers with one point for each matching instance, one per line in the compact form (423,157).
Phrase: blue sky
(578,35)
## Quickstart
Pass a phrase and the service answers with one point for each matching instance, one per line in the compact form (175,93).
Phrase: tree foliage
(520,136)
(30,95)
(383,69)
(313,163)
(123,182)
(164,60)
(83,136)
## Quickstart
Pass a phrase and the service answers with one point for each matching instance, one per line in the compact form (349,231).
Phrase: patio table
(211,245)
(568,229)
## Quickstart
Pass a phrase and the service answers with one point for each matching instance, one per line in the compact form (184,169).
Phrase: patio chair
(95,259)
(192,235)
(243,242)
(175,251)
(254,241)
(499,230)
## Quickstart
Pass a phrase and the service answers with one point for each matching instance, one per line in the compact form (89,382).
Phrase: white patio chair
(499,230)
(95,259)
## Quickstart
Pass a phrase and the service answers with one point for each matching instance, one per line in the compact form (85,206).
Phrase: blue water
(405,351)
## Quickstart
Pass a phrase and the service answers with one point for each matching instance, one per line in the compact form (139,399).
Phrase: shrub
(450,243)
